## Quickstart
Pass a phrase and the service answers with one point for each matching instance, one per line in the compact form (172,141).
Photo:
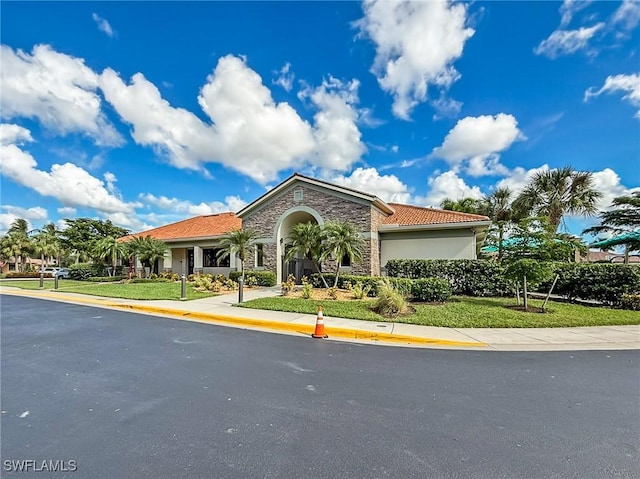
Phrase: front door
(190,261)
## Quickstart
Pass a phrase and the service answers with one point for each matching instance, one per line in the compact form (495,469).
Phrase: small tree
(238,242)
(343,240)
(528,272)
(307,240)
(110,249)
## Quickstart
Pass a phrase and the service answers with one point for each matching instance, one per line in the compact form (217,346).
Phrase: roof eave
(475,225)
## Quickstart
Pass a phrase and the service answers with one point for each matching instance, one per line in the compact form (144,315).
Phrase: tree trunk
(526,302)
(335,283)
(324,281)
(500,237)
(627,248)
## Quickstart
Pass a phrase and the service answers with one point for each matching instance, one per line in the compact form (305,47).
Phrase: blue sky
(147,113)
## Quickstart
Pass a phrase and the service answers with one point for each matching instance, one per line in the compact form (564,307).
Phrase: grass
(462,312)
(142,291)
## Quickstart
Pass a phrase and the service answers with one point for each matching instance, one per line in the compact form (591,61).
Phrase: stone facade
(329,205)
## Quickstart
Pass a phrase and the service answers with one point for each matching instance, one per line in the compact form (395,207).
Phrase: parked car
(62,273)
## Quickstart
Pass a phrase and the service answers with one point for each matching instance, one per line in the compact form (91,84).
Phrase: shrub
(32,274)
(169,275)
(263,278)
(307,288)
(332,292)
(601,282)
(83,271)
(148,280)
(288,285)
(358,291)
(432,290)
(252,281)
(468,277)
(630,301)
(390,302)
(228,284)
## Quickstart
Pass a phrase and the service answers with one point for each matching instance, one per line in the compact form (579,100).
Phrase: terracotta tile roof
(408,215)
(200,226)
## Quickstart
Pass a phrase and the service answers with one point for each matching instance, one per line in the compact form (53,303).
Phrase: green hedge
(149,280)
(263,278)
(84,271)
(432,290)
(32,274)
(603,282)
(468,277)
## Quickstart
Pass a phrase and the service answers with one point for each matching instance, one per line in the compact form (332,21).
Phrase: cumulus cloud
(36,213)
(67,211)
(386,187)
(629,84)
(249,132)
(68,183)
(519,177)
(476,143)
(447,185)
(565,42)
(416,46)
(285,77)
(103,25)
(608,182)
(231,203)
(337,137)
(57,89)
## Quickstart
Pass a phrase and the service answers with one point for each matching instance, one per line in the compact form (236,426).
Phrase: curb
(234,321)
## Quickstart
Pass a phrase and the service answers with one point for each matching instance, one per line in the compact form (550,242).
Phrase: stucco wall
(445,244)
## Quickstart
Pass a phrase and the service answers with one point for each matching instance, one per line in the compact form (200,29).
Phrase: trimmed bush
(83,271)
(597,281)
(431,290)
(263,278)
(468,277)
(148,280)
(32,274)
(630,301)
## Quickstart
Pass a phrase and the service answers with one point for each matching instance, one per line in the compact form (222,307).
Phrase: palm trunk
(324,281)
(500,237)
(335,283)
(524,293)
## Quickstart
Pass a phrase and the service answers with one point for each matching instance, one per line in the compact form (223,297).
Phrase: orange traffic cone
(319,333)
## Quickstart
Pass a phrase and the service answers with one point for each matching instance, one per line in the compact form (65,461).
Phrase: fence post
(183,287)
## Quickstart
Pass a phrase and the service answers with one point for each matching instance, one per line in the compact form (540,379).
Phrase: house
(9,265)
(390,230)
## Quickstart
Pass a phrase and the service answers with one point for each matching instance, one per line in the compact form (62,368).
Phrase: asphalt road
(134,396)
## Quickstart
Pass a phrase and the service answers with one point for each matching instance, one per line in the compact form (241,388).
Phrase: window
(297,195)
(346,260)
(259,255)
(210,259)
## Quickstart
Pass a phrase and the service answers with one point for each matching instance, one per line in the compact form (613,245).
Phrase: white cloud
(416,45)
(476,142)
(285,77)
(565,42)
(103,25)
(518,178)
(36,213)
(67,211)
(569,8)
(68,183)
(627,15)
(10,133)
(231,203)
(386,187)
(337,137)
(608,183)
(629,84)
(57,89)
(448,185)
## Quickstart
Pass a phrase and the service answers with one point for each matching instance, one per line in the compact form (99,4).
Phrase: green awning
(632,238)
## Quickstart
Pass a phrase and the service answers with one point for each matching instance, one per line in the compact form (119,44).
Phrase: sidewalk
(220,310)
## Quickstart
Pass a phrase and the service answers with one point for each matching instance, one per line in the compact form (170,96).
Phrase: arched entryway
(300,266)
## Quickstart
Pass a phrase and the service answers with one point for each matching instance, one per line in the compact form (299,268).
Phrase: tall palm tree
(18,243)
(49,238)
(45,246)
(110,249)
(497,206)
(306,240)
(343,239)
(238,242)
(554,193)
(148,250)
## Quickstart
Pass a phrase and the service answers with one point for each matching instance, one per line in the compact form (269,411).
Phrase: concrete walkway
(220,310)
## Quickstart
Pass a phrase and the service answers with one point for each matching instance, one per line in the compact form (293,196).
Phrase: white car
(54,272)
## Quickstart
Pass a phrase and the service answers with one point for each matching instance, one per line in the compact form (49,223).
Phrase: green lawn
(35,283)
(170,291)
(463,312)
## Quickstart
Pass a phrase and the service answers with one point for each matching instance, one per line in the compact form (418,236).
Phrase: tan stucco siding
(447,244)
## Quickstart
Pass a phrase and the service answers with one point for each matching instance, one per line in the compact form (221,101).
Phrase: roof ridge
(462,213)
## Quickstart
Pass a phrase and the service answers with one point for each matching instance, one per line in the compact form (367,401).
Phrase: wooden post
(544,305)
(526,303)
(517,293)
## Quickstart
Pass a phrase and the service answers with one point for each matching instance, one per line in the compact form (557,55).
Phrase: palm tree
(343,240)
(554,193)
(497,206)
(238,242)
(110,248)
(306,240)
(148,250)
(17,242)
(45,246)
(464,205)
